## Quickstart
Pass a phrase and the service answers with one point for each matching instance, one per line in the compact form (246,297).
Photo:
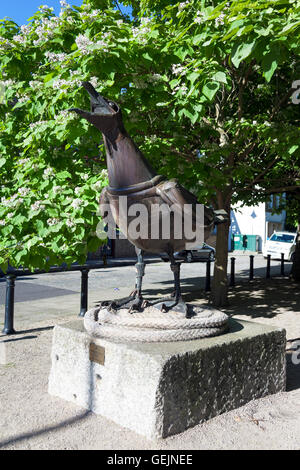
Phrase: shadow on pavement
(29,435)
(31,330)
(264,298)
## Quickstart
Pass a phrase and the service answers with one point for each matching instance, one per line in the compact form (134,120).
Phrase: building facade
(255,224)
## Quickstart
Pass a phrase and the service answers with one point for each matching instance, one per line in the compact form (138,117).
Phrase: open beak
(99,105)
(104,115)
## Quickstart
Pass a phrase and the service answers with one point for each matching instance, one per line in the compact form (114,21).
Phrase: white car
(281,242)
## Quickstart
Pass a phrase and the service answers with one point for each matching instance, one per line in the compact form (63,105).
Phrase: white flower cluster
(59,83)
(37,206)
(26,28)
(23,161)
(15,201)
(24,191)
(141,83)
(90,17)
(19,38)
(57,189)
(53,57)
(182,88)
(220,19)
(48,172)
(141,31)
(33,125)
(199,17)
(53,221)
(65,115)
(70,223)
(104,173)
(83,43)
(35,84)
(94,81)
(23,99)
(145,20)
(8,83)
(182,5)
(178,69)
(5,44)
(156,77)
(45,29)
(76,203)
(64,5)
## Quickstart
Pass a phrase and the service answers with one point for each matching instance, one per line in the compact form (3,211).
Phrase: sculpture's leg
(140,272)
(134,301)
(177,304)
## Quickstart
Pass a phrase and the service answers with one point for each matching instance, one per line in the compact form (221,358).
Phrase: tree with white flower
(204,88)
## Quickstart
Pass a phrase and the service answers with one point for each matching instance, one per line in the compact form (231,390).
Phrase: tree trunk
(295,272)
(220,282)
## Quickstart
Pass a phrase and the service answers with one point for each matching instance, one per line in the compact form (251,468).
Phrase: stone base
(160,389)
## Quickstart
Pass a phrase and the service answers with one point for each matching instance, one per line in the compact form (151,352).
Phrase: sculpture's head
(105,115)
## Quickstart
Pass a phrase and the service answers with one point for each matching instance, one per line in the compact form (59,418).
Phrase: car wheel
(292,258)
(189,257)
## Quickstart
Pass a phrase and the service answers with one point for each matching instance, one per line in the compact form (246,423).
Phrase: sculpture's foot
(134,303)
(173,305)
(161,300)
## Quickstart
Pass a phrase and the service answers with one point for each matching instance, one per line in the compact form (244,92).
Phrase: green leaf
(293,149)
(270,61)
(2,161)
(181,52)
(147,56)
(220,77)
(192,77)
(62,175)
(210,89)
(289,27)
(241,52)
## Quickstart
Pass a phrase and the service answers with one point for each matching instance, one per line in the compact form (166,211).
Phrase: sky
(21,10)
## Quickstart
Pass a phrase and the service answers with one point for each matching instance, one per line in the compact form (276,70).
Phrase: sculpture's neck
(125,163)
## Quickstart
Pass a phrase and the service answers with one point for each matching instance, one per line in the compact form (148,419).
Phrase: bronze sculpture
(131,175)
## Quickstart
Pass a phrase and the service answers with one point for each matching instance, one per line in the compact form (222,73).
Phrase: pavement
(32,419)
(56,295)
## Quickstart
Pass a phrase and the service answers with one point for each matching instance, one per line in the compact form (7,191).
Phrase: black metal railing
(13,274)
(251,268)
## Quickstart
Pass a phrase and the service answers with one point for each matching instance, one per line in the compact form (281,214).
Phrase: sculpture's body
(131,175)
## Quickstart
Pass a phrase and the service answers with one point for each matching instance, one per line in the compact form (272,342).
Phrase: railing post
(207,279)
(268,274)
(232,274)
(9,305)
(251,274)
(282,265)
(84,291)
